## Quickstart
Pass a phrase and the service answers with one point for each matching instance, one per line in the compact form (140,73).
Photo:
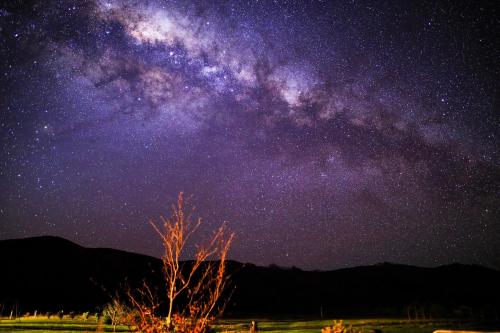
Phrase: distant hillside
(51,273)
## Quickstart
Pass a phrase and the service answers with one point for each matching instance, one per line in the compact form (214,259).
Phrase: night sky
(328,133)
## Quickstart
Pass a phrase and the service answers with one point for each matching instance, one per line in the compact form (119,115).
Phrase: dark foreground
(49,274)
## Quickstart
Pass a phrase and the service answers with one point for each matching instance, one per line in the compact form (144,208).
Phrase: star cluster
(327,134)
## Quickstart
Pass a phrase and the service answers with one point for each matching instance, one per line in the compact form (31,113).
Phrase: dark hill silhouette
(51,273)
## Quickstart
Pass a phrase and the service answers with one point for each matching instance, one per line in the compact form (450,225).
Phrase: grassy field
(44,325)
(367,325)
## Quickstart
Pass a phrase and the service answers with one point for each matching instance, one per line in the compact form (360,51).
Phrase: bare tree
(194,288)
(117,312)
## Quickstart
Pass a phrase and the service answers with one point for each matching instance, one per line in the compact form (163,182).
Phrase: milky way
(327,134)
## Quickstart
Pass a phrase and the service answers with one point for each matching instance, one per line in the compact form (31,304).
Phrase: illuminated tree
(193,288)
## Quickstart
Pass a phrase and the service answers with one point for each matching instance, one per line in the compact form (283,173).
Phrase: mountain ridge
(49,273)
(385,263)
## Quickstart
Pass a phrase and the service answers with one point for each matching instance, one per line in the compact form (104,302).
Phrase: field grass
(52,325)
(45,325)
(367,325)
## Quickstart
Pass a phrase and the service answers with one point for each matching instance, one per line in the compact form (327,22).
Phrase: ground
(45,325)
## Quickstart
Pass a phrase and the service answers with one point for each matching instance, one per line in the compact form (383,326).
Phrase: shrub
(106,319)
(339,327)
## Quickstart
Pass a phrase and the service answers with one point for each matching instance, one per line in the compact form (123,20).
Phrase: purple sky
(328,134)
